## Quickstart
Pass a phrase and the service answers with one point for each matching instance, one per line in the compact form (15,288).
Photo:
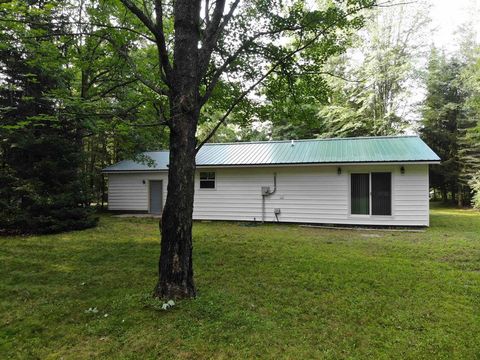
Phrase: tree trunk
(444,194)
(175,265)
(460,196)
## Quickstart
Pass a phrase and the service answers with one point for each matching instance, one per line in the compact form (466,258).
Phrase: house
(357,181)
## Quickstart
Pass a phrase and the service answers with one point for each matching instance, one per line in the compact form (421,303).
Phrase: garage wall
(308,194)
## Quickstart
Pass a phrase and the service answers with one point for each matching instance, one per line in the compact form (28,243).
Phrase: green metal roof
(317,151)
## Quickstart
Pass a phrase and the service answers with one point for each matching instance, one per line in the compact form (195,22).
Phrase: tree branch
(114,87)
(327,73)
(265,75)
(149,125)
(207,12)
(392,4)
(161,114)
(149,84)
(157,30)
(213,31)
(232,107)
(220,70)
(61,23)
(140,15)
(96,77)
(161,43)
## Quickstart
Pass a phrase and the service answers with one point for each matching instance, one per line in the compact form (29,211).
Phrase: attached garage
(361,181)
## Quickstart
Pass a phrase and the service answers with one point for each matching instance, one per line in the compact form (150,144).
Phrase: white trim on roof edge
(427,162)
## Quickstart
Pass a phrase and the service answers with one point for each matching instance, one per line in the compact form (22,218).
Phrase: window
(374,188)
(207,180)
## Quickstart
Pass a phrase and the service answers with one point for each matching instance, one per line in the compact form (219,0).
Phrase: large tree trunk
(175,266)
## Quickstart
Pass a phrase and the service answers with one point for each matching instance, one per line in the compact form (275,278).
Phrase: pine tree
(445,124)
(40,187)
(470,139)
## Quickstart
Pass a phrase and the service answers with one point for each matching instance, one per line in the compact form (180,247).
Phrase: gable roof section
(317,151)
(160,159)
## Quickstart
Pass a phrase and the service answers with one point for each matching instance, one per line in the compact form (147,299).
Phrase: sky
(448,15)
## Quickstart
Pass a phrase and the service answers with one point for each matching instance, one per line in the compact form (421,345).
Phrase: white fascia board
(322,164)
(133,171)
(281,165)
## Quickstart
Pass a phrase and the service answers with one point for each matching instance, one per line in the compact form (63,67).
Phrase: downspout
(268,193)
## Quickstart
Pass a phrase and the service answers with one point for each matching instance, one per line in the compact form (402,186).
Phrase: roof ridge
(317,139)
(299,140)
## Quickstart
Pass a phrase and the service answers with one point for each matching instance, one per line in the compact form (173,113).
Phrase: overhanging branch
(266,74)
(213,31)
(147,21)
(233,57)
(161,43)
(146,82)
(73,33)
(232,107)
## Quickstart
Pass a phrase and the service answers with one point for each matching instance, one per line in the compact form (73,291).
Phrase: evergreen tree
(443,122)
(40,185)
(470,139)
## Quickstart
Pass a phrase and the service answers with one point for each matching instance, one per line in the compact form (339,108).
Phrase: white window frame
(214,180)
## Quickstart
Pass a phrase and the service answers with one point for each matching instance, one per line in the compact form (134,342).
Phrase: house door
(156,197)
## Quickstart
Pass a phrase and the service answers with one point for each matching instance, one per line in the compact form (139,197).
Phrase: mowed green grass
(273,291)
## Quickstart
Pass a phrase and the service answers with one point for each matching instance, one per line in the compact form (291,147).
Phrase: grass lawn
(273,291)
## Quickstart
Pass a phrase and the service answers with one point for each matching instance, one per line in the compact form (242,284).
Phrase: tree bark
(460,196)
(175,265)
(444,194)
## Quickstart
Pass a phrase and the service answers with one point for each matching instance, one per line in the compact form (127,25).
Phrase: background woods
(363,88)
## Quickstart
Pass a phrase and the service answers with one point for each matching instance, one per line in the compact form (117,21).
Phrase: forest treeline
(71,104)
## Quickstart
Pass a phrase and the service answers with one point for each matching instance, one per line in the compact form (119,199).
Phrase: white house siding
(306,194)
(127,192)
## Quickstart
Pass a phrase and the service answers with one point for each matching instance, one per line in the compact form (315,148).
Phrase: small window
(207,180)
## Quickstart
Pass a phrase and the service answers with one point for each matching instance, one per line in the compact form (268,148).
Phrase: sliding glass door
(371,188)
(382,193)
(361,194)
